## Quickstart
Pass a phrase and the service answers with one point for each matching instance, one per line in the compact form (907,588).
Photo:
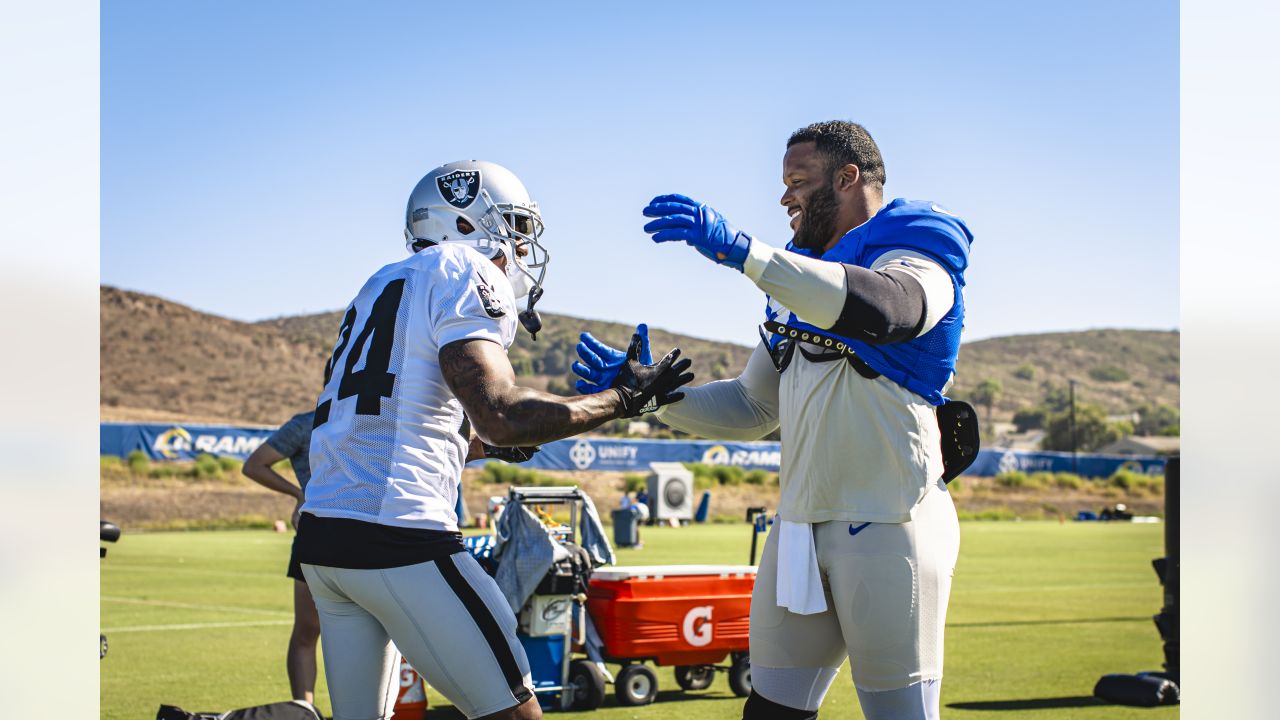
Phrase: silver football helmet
(484,205)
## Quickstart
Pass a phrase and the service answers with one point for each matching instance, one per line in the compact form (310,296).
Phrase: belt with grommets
(842,348)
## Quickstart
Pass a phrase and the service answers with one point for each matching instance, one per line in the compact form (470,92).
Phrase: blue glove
(680,218)
(601,363)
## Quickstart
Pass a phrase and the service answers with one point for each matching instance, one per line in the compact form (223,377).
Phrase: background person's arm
(258,469)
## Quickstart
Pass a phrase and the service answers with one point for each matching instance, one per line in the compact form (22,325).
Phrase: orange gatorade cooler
(411,702)
(672,614)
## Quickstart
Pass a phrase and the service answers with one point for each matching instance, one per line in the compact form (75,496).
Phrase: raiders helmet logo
(459,187)
(492,304)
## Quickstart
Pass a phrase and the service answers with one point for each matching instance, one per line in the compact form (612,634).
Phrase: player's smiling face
(809,197)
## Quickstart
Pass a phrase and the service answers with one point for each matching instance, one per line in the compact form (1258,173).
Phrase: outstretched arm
(902,296)
(744,408)
(505,414)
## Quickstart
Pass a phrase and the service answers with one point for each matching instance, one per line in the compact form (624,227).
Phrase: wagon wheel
(694,677)
(588,685)
(740,676)
(636,685)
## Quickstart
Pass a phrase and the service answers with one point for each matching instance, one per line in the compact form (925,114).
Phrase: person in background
(642,498)
(292,441)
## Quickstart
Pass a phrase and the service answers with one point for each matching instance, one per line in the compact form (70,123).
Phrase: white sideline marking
(190,606)
(171,570)
(195,626)
(1045,588)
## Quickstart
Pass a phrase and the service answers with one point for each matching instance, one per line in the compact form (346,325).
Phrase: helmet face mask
(484,205)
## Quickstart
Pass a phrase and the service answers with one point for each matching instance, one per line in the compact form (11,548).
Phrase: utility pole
(1074,467)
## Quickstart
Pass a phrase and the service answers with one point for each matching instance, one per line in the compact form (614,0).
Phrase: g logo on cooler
(695,633)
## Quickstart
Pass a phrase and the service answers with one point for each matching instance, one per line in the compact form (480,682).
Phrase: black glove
(645,388)
(511,454)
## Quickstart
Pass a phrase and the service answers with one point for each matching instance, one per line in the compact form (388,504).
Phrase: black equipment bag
(1141,690)
(960,437)
(568,576)
(290,710)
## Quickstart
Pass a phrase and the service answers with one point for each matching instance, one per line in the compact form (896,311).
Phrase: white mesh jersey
(388,446)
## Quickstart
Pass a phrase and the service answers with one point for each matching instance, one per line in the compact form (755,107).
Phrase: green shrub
(1040,479)
(138,462)
(1030,419)
(207,466)
(1012,479)
(110,463)
(1068,481)
(229,464)
(500,473)
(1136,482)
(757,477)
(634,483)
(715,474)
(162,471)
(1025,371)
(955,486)
(1109,373)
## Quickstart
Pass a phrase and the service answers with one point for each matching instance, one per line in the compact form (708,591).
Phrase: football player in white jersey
(420,356)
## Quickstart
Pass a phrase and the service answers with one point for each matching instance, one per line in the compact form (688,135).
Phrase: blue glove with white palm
(681,218)
(601,363)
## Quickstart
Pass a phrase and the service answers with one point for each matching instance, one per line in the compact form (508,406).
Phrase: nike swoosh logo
(855,530)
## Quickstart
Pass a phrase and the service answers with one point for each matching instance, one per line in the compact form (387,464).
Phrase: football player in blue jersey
(864,309)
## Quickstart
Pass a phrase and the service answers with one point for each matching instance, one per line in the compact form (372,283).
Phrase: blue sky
(256,157)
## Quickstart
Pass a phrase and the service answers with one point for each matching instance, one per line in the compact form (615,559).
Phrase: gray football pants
(887,587)
(448,618)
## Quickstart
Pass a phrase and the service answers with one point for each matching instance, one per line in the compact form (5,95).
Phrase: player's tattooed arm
(506,414)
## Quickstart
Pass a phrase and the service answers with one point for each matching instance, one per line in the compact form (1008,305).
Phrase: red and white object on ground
(675,614)
(411,702)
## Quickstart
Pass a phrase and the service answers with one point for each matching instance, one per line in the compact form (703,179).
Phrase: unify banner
(605,454)
(185,442)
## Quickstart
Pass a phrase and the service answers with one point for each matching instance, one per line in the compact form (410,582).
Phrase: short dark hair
(842,143)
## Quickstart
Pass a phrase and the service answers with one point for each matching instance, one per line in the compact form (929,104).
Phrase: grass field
(1038,612)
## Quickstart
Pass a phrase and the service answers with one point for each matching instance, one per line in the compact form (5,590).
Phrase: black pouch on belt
(960,437)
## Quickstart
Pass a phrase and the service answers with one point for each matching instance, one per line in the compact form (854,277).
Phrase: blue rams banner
(180,442)
(185,442)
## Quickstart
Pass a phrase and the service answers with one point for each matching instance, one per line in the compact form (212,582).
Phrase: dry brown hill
(1120,370)
(163,362)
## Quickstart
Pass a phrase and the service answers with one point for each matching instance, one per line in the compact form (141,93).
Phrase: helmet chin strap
(529,318)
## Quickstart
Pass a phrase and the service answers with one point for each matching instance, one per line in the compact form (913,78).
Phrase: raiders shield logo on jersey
(492,304)
(459,187)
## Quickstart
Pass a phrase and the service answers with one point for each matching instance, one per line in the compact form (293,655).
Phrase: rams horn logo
(716,455)
(172,441)
(459,187)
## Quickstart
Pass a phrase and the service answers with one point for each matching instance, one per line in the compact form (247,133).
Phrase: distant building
(1143,445)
